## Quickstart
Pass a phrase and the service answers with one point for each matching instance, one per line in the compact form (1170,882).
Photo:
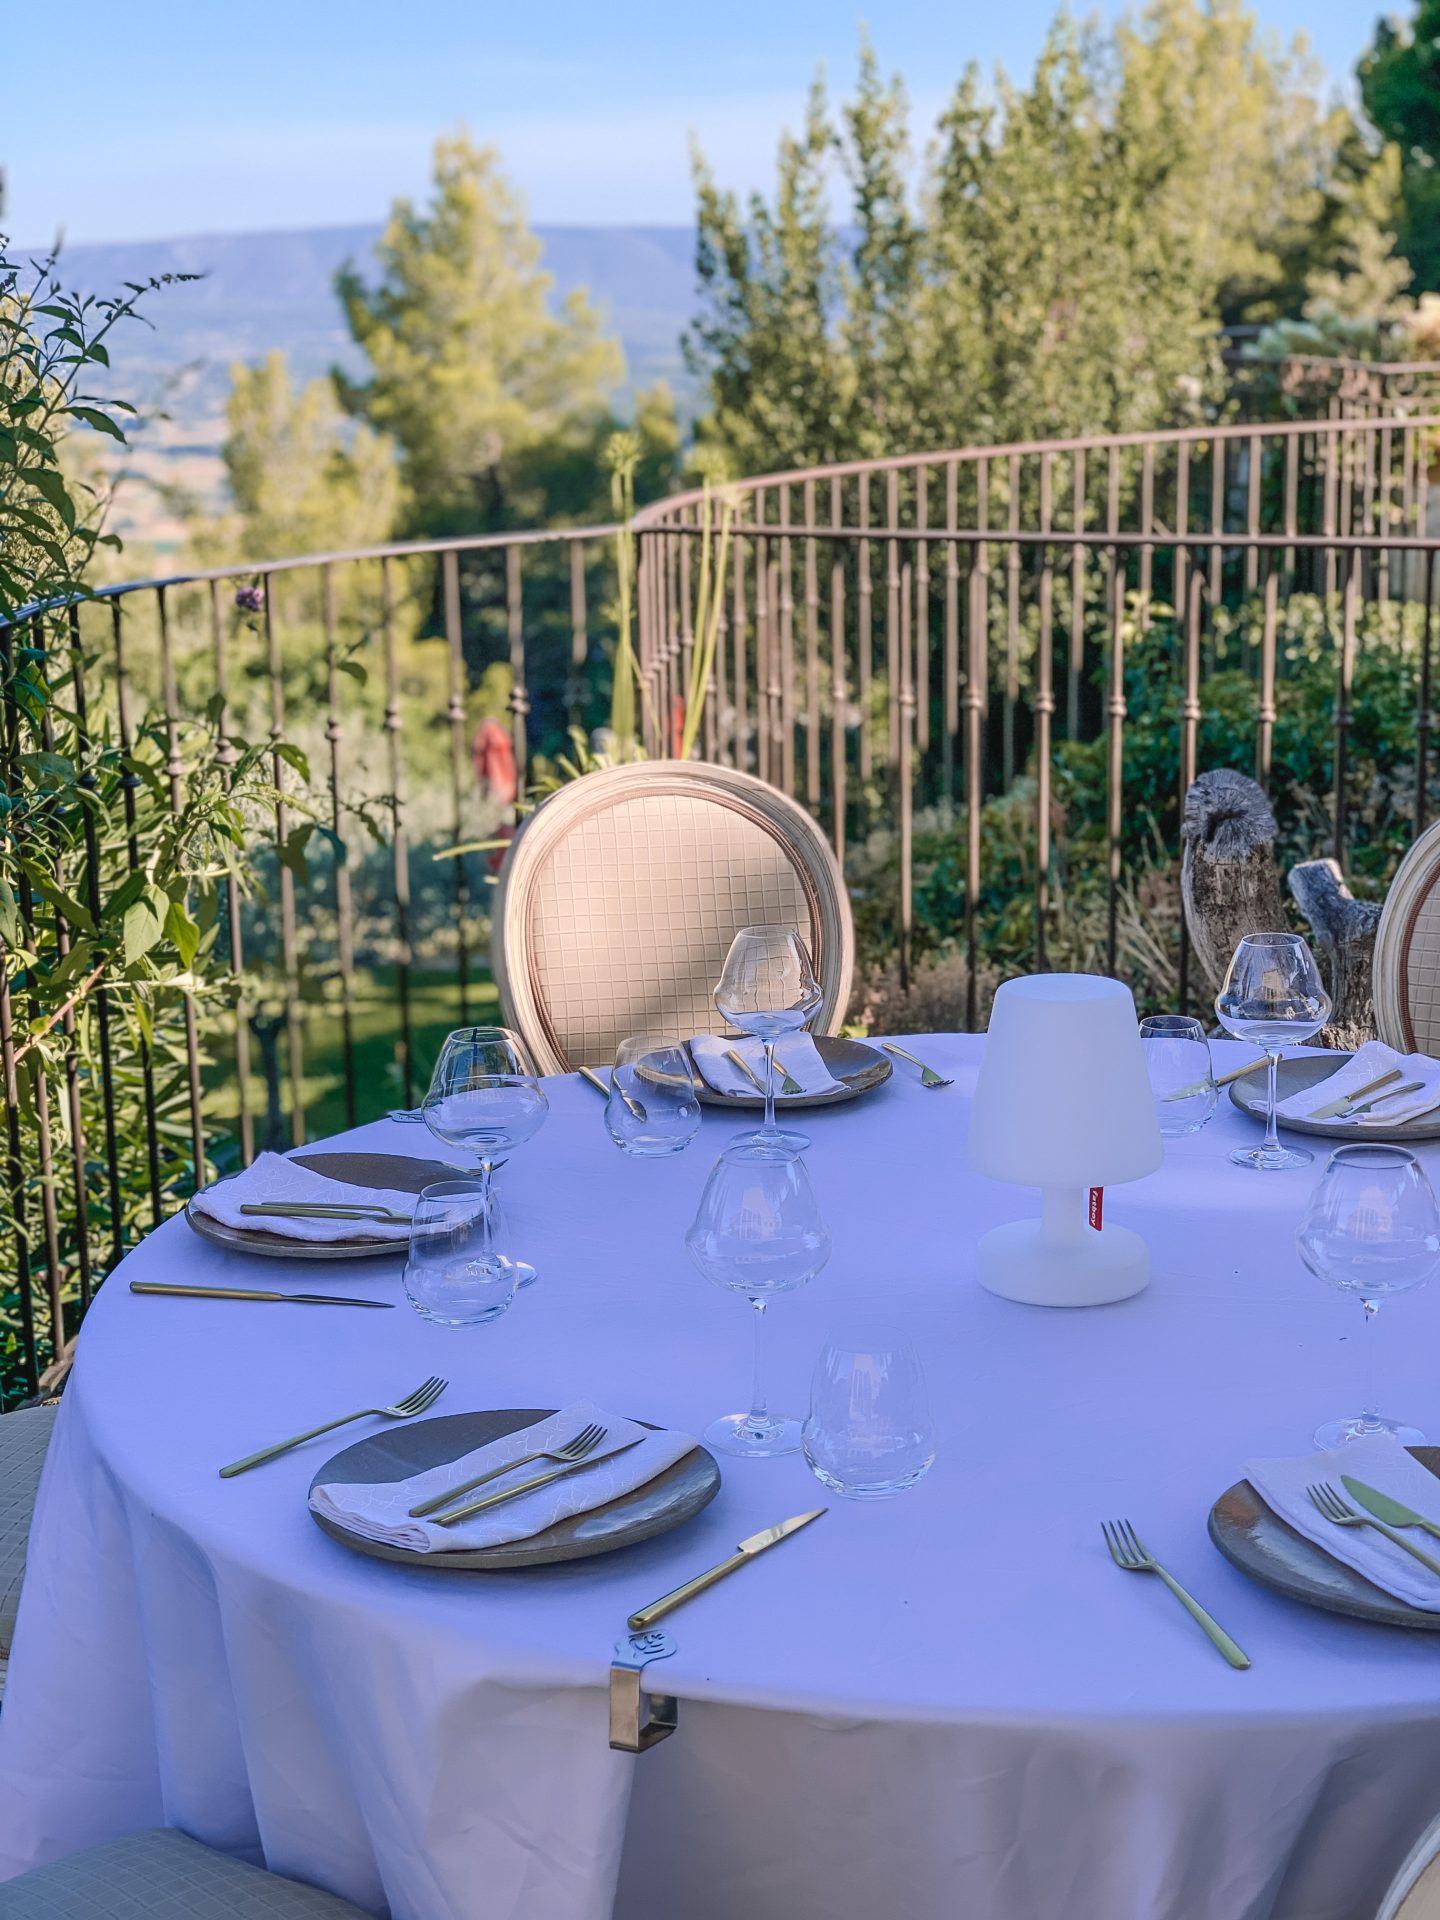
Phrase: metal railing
(896,634)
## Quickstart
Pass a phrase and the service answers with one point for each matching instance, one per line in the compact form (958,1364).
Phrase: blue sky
(157,119)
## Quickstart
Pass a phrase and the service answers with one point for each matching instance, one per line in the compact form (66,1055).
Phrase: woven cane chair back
(1407,952)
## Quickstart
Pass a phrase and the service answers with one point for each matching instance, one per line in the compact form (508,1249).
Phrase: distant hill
(267,290)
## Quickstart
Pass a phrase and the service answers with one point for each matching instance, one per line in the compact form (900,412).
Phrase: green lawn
(375,1025)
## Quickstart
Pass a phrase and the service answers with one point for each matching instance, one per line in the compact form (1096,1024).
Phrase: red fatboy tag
(1097,1207)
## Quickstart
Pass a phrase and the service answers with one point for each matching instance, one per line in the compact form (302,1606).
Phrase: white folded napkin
(1382,1463)
(273,1176)
(381,1510)
(797,1052)
(1373,1059)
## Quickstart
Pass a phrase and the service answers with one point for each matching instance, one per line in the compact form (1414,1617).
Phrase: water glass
(758,1232)
(454,1273)
(1372,1228)
(1272,995)
(768,988)
(1177,1058)
(869,1433)
(654,1107)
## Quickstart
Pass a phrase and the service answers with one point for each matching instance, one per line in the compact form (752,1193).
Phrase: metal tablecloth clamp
(640,1720)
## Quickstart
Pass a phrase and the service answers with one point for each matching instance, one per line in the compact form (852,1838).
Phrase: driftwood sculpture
(1228,879)
(1231,887)
(1344,930)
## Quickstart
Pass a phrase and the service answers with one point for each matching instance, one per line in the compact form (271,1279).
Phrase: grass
(375,1031)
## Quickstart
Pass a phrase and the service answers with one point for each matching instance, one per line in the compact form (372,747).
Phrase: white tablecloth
(947,1704)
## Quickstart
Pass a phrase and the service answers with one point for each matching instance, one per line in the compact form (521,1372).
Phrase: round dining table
(949,1703)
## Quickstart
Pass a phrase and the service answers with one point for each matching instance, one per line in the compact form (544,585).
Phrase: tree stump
(1344,930)
(1228,878)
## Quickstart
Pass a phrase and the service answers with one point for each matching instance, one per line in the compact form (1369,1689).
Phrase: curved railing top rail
(658,512)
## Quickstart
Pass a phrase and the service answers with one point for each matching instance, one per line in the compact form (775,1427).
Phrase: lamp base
(1022,1261)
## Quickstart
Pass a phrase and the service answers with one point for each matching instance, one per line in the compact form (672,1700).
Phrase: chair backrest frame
(1406,969)
(765,821)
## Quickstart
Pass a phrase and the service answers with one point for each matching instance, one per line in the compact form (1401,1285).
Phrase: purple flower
(250,599)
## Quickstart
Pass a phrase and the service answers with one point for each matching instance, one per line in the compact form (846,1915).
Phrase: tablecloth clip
(629,1733)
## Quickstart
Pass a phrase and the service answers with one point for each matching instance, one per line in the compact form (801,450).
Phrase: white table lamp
(1063,1103)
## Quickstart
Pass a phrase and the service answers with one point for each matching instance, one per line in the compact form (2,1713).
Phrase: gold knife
(637,1112)
(1337,1107)
(1221,1080)
(739,1060)
(757,1543)
(788,1083)
(251,1293)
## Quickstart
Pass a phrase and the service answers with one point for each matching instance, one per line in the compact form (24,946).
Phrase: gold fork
(1341,1514)
(1128,1554)
(425,1395)
(584,1442)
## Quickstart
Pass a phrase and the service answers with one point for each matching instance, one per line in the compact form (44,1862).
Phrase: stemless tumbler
(453,1274)
(1177,1058)
(869,1431)
(653,1108)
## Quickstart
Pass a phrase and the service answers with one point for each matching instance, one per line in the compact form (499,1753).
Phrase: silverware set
(423,1397)
(568,1457)
(1340,1513)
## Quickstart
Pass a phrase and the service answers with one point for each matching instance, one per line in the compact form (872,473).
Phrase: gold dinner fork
(425,1395)
(584,1442)
(928,1076)
(1341,1514)
(1128,1553)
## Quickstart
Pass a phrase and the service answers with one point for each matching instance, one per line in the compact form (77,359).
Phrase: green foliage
(303,478)
(116,848)
(1400,86)
(500,406)
(1072,246)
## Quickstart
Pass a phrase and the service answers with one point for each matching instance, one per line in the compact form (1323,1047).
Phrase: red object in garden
(494,755)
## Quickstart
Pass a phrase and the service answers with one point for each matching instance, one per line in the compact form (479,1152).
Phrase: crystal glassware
(1273,995)
(653,1107)
(453,1274)
(768,989)
(1177,1058)
(484,1097)
(869,1431)
(1371,1229)
(758,1232)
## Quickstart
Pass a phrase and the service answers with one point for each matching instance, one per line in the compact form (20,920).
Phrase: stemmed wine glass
(1372,1228)
(1272,994)
(484,1096)
(758,1232)
(768,988)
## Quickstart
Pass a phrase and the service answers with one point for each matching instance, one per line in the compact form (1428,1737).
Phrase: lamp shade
(1063,1098)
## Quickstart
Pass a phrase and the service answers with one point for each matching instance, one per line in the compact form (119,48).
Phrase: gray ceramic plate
(1251,1094)
(1266,1547)
(857,1067)
(409,1447)
(359,1169)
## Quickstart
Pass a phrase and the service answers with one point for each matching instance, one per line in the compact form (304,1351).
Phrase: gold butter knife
(788,1083)
(747,1550)
(529,1486)
(1220,1080)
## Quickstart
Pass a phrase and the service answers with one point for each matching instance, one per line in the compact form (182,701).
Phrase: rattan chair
(1407,952)
(24,1437)
(163,1876)
(620,895)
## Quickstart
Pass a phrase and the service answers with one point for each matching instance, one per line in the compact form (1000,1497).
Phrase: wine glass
(484,1096)
(1177,1059)
(767,989)
(1372,1228)
(758,1232)
(653,1106)
(1272,994)
(869,1433)
(450,1273)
